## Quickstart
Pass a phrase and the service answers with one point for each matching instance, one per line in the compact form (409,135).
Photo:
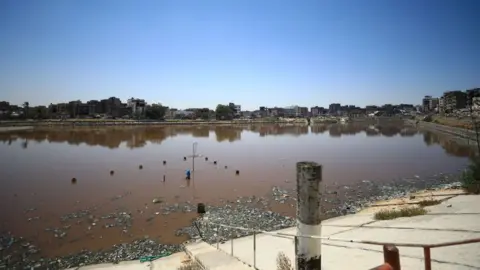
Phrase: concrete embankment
(459,132)
(456,218)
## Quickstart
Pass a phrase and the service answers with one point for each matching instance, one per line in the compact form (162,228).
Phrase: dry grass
(283,263)
(405,212)
(425,203)
(190,266)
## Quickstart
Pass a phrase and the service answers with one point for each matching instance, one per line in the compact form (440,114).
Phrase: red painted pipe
(384,266)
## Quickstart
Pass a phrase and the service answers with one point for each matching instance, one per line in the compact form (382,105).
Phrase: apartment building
(454,100)
(317,111)
(137,105)
(433,104)
(426,103)
(334,108)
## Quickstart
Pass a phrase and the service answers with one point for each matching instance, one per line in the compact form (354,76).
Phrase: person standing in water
(187,173)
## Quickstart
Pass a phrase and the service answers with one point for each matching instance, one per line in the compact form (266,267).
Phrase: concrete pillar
(308,250)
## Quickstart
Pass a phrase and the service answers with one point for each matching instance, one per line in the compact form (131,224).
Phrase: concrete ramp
(213,259)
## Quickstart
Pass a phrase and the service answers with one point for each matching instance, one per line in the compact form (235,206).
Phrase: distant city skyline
(188,54)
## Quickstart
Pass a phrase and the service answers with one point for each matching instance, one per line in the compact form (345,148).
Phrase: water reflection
(137,137)
(451,147)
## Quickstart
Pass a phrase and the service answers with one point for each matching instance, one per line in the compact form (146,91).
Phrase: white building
(138,105)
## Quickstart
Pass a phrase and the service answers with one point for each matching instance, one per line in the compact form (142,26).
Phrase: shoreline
(250,212)
(465,134)
(122,122)
(70,123)
(15,128)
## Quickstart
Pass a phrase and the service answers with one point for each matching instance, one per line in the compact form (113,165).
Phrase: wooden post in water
(308,250)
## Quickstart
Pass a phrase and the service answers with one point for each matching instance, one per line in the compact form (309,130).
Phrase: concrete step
(213,259)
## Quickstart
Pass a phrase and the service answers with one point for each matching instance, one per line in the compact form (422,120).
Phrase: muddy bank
(273,211)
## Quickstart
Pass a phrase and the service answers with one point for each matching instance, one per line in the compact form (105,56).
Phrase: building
(441,105)
(181,114)
(137,106)
(433,104)
(290,111)
(58,110)
(97,106)
(276,112)
(473,95)
(262,112)
(301,111)
(111,106)
(317,111)
(334,108)
(237,109)
(454,100)
(426,103)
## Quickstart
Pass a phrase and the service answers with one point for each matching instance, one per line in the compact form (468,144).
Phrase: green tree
(155,112)
(26,108)
(41,112)
(205,115)
(223,112)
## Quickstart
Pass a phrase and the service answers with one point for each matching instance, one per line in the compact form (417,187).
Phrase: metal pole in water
(308,250)
(194,153)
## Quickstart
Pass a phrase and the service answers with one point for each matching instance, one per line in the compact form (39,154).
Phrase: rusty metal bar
(427,258)
(454,243)
(277,234)
(391,256)
(384,266)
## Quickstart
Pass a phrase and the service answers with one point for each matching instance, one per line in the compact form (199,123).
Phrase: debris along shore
(145,249)
(251,212)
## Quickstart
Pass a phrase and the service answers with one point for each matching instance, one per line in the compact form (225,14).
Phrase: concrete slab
(452,226)
(465,204)
(470,223)
(334,254)
(464,254)
(171,262)
(214,259)
(350,220)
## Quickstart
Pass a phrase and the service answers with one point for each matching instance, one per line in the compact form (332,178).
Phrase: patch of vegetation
(471,176)
(283,263)
(190,266)
(405,212)
(425,203)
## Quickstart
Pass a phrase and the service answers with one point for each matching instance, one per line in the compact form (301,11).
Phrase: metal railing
(426,247)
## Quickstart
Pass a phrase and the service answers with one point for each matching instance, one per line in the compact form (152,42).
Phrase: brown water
(37,167)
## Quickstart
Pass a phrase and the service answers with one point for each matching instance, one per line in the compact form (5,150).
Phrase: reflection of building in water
(107,137)
(429,138)
(389,131)
(318,129)
(228,133)
(295,130)
(335,131)
(448,143)
(137,140)
(372,132)
(200,132)
(408,132)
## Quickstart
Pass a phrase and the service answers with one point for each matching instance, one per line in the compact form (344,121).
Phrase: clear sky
(198,53)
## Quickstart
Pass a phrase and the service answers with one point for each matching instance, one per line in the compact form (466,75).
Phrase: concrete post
(308,250)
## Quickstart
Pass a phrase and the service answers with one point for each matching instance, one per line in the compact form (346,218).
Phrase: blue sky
(196,53)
